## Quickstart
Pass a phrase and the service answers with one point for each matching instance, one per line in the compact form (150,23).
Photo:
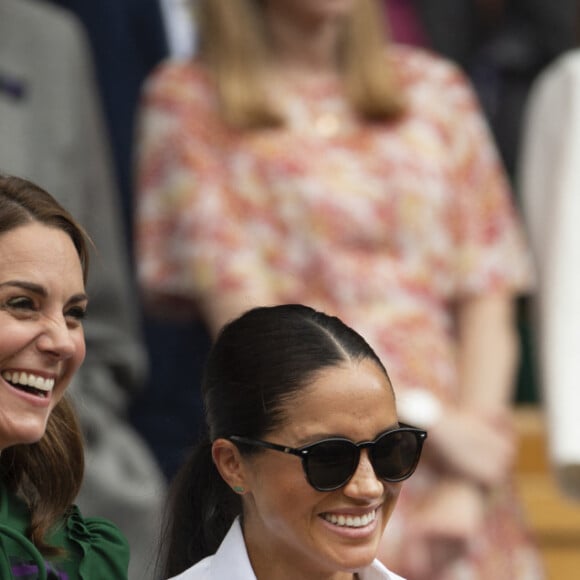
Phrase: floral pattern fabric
(385,225)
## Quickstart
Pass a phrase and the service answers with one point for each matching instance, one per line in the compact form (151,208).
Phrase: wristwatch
(419,407)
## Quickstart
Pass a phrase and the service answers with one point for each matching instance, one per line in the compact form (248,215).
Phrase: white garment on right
(549,185)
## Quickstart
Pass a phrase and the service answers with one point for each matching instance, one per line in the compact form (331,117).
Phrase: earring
(238,489)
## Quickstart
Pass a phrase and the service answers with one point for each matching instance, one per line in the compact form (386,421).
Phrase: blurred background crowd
(72,75)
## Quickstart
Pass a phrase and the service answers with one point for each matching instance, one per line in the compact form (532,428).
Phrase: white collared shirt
(231,562)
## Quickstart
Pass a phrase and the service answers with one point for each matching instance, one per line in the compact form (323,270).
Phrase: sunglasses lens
(330,464)
(395,455)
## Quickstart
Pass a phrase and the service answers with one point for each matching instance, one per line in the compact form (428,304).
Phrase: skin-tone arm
(488,352)
(475,441)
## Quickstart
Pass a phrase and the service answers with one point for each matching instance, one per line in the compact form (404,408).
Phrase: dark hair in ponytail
(259,363)
(201,509)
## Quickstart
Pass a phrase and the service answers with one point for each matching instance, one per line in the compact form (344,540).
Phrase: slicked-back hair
(259,364)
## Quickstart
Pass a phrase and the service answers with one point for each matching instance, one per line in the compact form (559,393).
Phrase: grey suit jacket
(51,133)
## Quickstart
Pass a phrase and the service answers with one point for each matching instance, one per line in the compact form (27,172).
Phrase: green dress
(95,548)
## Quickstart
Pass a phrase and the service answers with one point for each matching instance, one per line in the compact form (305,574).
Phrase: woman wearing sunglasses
(303,460)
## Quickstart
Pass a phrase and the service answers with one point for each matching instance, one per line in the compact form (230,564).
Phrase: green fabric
(95,548)
(527,387)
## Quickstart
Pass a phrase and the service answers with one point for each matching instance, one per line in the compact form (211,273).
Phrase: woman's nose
(364,483)
(56,338)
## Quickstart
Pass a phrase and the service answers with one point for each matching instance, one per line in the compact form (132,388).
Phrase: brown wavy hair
(233,43)
(46,474)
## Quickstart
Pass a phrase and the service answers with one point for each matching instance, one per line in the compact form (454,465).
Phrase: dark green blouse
(95,548)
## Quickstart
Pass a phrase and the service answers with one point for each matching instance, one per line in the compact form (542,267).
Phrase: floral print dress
(385,225)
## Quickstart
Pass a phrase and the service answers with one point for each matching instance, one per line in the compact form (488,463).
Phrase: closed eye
(76,313)
(21,303)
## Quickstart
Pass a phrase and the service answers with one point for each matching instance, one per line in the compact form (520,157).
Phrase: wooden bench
(554,517)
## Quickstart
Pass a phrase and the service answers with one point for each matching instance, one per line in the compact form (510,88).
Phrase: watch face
(419,407)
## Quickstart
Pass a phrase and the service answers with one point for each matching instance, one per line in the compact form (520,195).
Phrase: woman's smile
(30,382)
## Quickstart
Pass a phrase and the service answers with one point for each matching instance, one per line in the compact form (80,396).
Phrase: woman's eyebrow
(40,290)
(81,297)
(31,286)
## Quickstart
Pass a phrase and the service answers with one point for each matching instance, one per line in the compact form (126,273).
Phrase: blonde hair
(233,45)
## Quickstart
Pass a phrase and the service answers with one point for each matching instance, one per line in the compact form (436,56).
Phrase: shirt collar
(231,561)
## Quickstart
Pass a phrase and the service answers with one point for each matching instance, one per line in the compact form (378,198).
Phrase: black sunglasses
(330,463)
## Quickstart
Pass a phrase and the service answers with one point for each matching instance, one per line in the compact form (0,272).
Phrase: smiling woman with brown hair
(43,271)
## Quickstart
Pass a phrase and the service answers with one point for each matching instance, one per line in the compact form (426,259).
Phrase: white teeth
(351,521)
(29,380)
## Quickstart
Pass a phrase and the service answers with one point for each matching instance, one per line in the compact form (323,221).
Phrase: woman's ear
(228,461)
